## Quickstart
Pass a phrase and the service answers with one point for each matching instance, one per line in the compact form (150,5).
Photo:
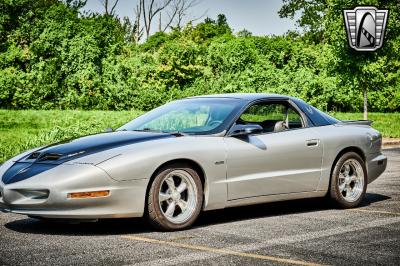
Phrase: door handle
(312,142)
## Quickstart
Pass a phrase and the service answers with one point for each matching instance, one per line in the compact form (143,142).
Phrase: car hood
(50,156)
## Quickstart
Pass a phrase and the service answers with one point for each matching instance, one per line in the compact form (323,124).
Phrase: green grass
(25,129)
(21,130)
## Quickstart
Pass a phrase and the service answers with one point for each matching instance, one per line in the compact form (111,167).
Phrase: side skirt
(273,198)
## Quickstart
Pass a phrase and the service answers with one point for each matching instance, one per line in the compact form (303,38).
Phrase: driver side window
(272,117)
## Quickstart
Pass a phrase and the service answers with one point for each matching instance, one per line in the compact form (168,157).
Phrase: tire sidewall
(335,194)
(155,213)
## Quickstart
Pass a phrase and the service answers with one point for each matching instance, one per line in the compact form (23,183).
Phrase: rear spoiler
(356,122)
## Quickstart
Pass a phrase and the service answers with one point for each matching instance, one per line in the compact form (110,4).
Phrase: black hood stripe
(44,159)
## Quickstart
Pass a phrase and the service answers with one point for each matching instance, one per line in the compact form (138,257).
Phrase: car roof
(317,117)
(244,96)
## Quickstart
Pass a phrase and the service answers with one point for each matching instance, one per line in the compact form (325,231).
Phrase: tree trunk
(365,103)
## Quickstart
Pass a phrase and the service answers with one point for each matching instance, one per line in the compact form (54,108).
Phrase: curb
(390,143)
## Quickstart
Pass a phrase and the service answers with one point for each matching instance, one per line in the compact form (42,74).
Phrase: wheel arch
(179,161)
(355,149)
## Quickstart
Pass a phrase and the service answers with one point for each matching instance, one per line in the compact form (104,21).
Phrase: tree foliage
(54,57)
(375,74)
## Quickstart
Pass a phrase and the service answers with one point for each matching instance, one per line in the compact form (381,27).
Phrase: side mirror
(243,130)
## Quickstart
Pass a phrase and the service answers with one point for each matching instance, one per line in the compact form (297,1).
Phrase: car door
(279,160)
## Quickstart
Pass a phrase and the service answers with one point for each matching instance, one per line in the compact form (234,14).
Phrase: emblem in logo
(365,27)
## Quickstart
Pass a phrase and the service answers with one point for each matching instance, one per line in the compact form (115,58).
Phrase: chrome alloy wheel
(351,180)
(178,196)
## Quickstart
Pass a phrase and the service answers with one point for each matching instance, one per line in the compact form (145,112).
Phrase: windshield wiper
(146,130)
(175,133)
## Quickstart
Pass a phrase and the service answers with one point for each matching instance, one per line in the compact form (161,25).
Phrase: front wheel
(175,198)
(348,181)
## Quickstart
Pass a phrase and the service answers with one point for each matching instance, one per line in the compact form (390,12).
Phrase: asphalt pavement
(300,232)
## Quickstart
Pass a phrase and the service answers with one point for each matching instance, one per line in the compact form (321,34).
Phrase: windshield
(192,116)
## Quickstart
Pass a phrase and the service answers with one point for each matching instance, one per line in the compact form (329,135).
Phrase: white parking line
(220,251)
(273,242)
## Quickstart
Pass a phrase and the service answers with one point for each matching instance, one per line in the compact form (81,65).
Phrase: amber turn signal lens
(88,194)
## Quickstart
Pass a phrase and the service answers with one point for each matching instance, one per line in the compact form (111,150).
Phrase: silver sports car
(199,153)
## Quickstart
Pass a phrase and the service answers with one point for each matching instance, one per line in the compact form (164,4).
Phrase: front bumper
(376,166)
(45,195)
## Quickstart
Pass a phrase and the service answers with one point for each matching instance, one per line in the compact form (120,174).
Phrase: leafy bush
(54,57)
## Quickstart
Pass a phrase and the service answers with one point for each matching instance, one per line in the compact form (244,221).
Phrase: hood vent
(44,156)
(34,155)
(49,157)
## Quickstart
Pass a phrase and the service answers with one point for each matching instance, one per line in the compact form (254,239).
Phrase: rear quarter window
(317,117)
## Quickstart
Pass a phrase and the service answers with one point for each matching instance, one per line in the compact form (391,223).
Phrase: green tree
(244,33)
(205,31)
(322,21)
(54,56)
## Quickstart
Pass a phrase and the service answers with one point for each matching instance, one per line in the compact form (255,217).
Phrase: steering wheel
(215,122)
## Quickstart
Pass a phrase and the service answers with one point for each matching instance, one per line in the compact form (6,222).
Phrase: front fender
(141,160)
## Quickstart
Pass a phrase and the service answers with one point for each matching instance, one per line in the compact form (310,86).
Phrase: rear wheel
(348,181)
(175,198)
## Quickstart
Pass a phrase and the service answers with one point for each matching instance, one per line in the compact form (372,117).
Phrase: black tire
(336,196)
(155,213)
